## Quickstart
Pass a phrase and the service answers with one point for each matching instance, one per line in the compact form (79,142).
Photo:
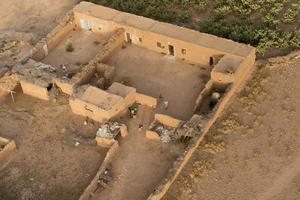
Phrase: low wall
(146,100)
(105,142)
(222,77)
(208,87)
(34,90)
(114,43)
(167,120)
(65,85)
(82,108)
(10,146)
(84,76)
(91,188)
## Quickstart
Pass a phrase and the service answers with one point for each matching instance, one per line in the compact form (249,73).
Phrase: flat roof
(100,98)
(120,89)
(230,62)
(166,29)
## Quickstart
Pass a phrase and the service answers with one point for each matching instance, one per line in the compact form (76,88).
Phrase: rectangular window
(183,51)
(158,44)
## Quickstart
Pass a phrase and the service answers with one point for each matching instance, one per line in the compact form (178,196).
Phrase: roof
(228,62)
(120,89)
(100,98)
(169,30)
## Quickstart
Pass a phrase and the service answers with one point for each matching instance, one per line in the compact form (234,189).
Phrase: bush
(70,47)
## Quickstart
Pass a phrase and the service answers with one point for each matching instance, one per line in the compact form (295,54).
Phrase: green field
(265,24)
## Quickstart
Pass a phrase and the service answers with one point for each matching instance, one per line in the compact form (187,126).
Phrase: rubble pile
(191,128)
(109,130)
(166,133)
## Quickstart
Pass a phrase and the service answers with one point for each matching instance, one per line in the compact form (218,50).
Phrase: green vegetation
(265,24)
(69,47)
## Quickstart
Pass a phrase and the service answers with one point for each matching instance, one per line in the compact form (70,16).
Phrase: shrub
(70,47)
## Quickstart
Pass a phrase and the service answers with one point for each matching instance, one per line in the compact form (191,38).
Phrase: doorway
(171,50)
(89,25)
(82,23)
(128,37)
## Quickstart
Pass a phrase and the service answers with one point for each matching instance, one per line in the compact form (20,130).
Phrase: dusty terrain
(141,163)
(253,151)
(33,16)
(158,75)
(48,164)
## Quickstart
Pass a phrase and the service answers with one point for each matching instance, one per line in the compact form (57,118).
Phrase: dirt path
(254,148)
(140,164)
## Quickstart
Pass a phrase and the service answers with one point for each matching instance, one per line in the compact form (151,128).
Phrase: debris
(44,67)
(77,144)
(166,105)
(165,133)
(109,130)
(105,176)
(141,126)
(85,123)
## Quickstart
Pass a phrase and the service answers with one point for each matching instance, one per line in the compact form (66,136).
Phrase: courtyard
(161,76)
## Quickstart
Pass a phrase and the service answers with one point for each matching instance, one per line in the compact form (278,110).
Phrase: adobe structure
(107,61)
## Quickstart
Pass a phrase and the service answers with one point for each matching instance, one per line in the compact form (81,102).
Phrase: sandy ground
(141,163)
(155,74)
(47,164)
(86,45)
(38,16)
(253,151)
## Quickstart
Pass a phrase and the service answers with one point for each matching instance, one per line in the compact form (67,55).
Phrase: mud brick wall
(10,146)
(122,105)
(167,120)
(65,85)
(91,188)
(146,100)
(84,76)
(82,108)
(34,90)
(114,43)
